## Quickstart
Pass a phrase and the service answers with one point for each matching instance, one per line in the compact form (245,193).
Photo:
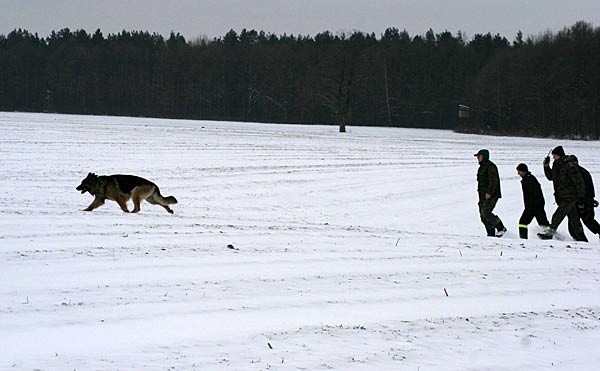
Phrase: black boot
(547,234)
(491,231)
(523,232)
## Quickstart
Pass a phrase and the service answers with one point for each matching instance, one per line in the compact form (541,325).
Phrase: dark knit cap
(522,167)
(558,151)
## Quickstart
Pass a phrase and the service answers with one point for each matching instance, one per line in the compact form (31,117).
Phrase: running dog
(122,188)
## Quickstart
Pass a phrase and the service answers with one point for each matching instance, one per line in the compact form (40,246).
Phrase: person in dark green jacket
(569,189)
(488,189)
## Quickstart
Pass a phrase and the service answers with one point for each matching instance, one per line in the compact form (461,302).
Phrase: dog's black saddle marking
(127,183)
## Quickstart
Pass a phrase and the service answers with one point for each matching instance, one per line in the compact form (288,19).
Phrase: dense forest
(547,85)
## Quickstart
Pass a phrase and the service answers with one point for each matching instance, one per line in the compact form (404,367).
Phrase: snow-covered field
(344,248)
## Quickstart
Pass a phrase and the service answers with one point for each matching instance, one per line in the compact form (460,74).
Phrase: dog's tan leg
(95,204)
(140,193)
(122,201)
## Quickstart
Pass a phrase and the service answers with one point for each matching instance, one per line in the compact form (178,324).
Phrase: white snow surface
(344,247)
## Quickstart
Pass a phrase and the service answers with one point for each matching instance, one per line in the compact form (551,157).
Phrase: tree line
(547,85)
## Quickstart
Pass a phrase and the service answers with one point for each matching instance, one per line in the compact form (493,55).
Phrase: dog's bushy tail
(169,200)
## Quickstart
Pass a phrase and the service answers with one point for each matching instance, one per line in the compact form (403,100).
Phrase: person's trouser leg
(575,227)
(524,221)
(489,220)
(564,207)
(541,218)
(587,215)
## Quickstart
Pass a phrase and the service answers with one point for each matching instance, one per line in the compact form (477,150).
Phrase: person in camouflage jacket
(569,189)
(488,189)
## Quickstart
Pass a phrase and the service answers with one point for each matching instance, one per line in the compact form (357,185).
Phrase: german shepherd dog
(122,188)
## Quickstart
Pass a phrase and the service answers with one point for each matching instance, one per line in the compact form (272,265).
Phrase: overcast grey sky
(211,18)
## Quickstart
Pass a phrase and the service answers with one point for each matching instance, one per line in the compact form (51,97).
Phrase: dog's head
(88,184)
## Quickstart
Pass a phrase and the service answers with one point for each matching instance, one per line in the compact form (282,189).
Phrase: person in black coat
(533,197)
(585,207)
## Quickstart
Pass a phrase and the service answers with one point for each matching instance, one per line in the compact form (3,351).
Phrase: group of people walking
(573,193)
